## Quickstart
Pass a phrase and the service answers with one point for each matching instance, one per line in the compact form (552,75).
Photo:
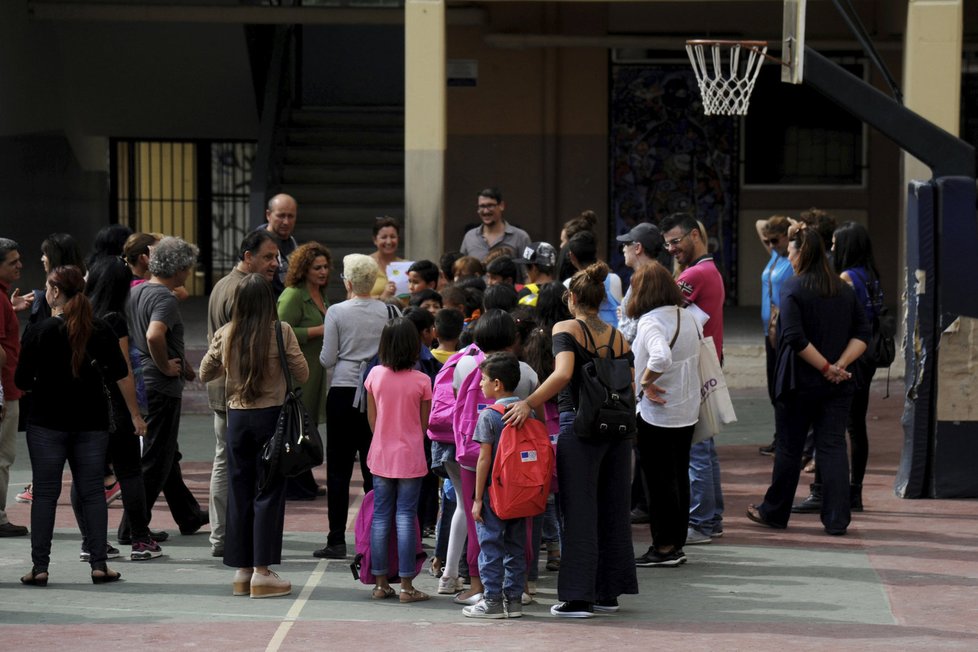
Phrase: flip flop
(754,515)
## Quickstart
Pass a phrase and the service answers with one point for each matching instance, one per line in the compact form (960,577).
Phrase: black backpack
(881,351)
(605,400)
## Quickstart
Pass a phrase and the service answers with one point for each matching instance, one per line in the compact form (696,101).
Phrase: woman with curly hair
(303,306)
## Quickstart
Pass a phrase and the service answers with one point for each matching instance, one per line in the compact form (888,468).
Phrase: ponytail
(77,312)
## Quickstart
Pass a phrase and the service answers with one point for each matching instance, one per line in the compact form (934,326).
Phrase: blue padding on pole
(958,246)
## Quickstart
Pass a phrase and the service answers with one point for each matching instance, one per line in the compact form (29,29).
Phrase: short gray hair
(170,256)
(361,271)
(6,246)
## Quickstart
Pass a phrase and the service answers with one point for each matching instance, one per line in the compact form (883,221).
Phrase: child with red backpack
(398,404)
(502,562)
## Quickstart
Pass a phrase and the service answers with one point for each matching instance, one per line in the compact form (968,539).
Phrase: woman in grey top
(351,337)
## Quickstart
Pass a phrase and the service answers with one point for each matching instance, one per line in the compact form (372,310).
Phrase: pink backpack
(361,533)
(440,426)
(468,403)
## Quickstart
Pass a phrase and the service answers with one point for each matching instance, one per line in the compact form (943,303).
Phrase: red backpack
(522,471)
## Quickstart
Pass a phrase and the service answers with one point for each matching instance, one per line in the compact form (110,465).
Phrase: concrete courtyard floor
(905,577)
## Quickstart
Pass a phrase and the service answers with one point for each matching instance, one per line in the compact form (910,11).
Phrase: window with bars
(196,190)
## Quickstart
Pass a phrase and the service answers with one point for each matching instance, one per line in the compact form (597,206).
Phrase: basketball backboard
(793,42)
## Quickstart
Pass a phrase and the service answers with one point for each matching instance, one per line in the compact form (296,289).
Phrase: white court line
(296,609)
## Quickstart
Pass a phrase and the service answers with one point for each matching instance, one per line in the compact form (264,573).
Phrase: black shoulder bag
(295,447)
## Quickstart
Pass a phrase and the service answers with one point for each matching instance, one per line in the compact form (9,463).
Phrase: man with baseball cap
(640,246)
(540,259)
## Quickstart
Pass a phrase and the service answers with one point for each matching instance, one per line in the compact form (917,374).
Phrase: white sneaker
(471,600)
(450,585)
(695,537)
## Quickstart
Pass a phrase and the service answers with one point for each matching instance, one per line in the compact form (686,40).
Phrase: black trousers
(597,561)
(161,465)
(348,434)
(826,411)
(665,462)
(255,520)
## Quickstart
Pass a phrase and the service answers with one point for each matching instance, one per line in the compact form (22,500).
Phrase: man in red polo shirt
(10,266)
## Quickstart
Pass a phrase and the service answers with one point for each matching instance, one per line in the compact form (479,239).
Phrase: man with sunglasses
(494,232)
(702,288)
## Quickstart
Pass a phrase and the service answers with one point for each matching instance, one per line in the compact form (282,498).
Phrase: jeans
(705,494)
(124,453)
(826,409)
(85,453)
(502,561)
(395,499)
(445,521)
(218,504)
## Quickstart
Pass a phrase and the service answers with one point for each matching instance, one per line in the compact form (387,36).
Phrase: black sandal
(106,575)
(37,577)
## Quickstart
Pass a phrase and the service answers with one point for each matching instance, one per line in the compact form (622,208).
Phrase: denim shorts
(440,453)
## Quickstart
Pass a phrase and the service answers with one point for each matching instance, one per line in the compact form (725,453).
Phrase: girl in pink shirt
(398,403)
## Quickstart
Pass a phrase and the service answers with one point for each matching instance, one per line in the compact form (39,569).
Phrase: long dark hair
(853,248)
(62,249)
(77,312)
(108,285)
(249,335)
(109,241)
(813,267)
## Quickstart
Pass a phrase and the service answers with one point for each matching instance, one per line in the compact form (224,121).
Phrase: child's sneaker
(485,609)
(110,553)
(27,495)
(112,492)
(145,550)
(449,585)
(514,608)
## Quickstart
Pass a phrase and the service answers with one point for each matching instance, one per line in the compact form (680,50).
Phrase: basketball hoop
(726,85)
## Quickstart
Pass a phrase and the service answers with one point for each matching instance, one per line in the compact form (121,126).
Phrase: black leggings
(347,435)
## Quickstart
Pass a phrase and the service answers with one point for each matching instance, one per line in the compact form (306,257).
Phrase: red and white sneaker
(27,495)
(112,492)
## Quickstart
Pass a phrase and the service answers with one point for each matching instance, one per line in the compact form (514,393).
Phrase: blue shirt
(777,270)
(490,425)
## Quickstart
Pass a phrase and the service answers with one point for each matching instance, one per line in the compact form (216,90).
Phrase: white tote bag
(716,408)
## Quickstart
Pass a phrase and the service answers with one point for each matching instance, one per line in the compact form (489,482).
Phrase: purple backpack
(468,403)
(361,532)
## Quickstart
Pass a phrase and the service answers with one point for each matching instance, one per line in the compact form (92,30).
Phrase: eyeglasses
(625,245)
(486,208)
(773,241)
(671,244)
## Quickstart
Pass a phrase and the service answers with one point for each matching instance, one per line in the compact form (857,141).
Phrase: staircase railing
(266,176)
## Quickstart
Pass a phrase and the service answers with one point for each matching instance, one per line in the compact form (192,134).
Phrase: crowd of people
(399,383)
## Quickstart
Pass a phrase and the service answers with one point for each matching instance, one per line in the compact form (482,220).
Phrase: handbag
(295,447)
(716,408)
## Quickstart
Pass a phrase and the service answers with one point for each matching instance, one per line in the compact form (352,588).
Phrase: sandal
(754,514)
(104,574)
(380,593)
(413,595)
(37,577)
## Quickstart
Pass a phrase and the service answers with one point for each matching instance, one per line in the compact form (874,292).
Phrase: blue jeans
(85,454)
(502,564)
(705,494)
(390,494)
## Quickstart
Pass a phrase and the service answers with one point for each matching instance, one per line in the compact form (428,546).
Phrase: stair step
(342,155)
(346,174)
(346,194)
(389,139)
(349,117)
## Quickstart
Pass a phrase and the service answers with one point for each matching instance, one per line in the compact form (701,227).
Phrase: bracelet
(826,368)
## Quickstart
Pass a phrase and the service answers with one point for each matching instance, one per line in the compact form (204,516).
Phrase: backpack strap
(591,342)
(675,336)
(501,409)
